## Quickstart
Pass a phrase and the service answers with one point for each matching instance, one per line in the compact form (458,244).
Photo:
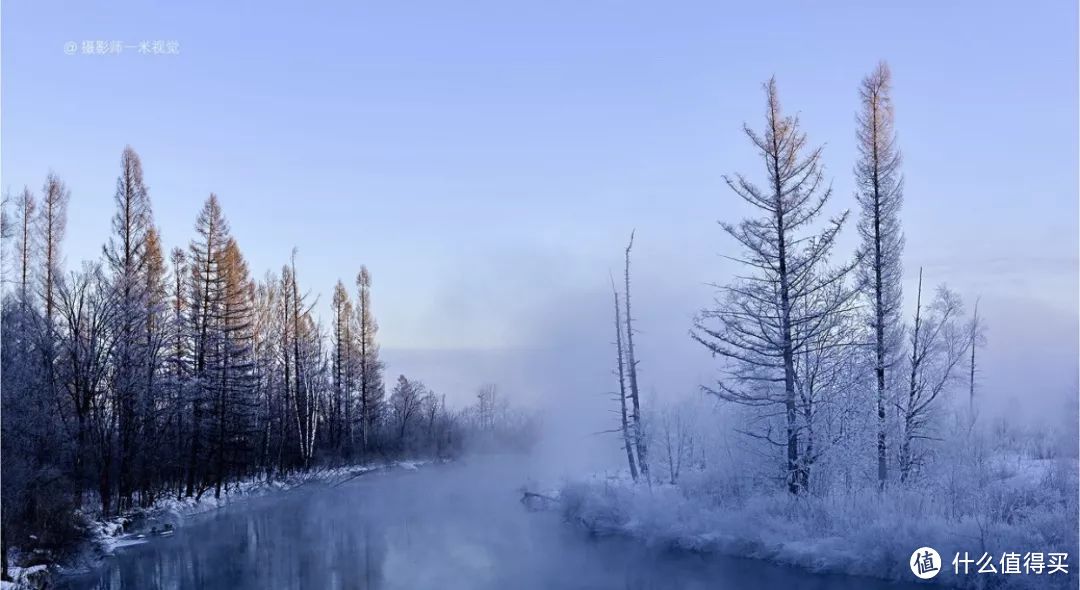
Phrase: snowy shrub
(1030,506)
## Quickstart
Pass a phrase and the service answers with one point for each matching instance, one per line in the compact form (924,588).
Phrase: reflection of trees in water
(450,529)
(297,546)
(374,555)
(340,547)
(357,554)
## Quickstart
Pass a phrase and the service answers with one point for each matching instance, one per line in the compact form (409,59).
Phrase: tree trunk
(639,433)
(627,443)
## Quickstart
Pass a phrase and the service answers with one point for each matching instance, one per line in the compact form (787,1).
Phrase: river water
(446,527)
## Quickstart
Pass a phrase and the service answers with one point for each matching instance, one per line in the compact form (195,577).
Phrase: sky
(487,160)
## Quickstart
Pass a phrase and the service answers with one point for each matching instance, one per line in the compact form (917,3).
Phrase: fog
(562,362)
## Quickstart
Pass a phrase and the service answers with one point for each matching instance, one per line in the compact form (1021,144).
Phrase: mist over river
(459,525)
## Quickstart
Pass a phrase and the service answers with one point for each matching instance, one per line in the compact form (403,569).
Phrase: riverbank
(1029,509)
(455,527)
(105,535)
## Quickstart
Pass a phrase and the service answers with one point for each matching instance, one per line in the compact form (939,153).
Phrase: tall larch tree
(153,402)
(52,224)
(340,432)
(370,367)
(179,362)
(879,192)
(126,256)
(207,292)
(232,400)
(762,321)
(25,252)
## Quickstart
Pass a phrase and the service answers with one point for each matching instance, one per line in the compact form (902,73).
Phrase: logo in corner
(925,563)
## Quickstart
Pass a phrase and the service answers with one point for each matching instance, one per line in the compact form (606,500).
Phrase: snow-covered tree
(763,321)
(880,195)
(406,406)
(937,344)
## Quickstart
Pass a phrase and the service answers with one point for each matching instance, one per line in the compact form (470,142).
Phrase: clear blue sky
(486,160)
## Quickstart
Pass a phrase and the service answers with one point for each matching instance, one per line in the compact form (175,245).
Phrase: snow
(25,577)
(1025,506)
(128,542)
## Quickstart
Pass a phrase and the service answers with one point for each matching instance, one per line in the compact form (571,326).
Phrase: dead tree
(639,432)
(620,365)
(976,339)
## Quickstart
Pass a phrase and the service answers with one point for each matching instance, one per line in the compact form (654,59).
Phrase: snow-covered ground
(135,527)
(26,577)
(1026,505)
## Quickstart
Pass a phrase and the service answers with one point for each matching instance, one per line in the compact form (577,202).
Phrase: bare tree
(621,371)
(52,222)
(305,399)
(264,342)
(676,430)
(976,340)
(880,196)
(827,370)
(87,311)
(487,396)
(764,320)
(406,405)
(937,344)
(640,444)
(25,208)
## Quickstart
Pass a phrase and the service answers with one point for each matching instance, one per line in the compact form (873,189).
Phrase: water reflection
(448,527)
(304,544)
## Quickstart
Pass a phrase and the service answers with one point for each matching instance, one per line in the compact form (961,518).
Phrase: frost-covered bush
(864,533)
(981,491)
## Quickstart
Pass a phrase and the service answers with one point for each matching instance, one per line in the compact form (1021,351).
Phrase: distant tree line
(147,375)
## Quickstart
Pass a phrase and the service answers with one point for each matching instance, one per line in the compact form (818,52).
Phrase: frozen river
(446,527)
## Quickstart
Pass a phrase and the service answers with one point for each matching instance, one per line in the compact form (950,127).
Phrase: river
(446,527)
